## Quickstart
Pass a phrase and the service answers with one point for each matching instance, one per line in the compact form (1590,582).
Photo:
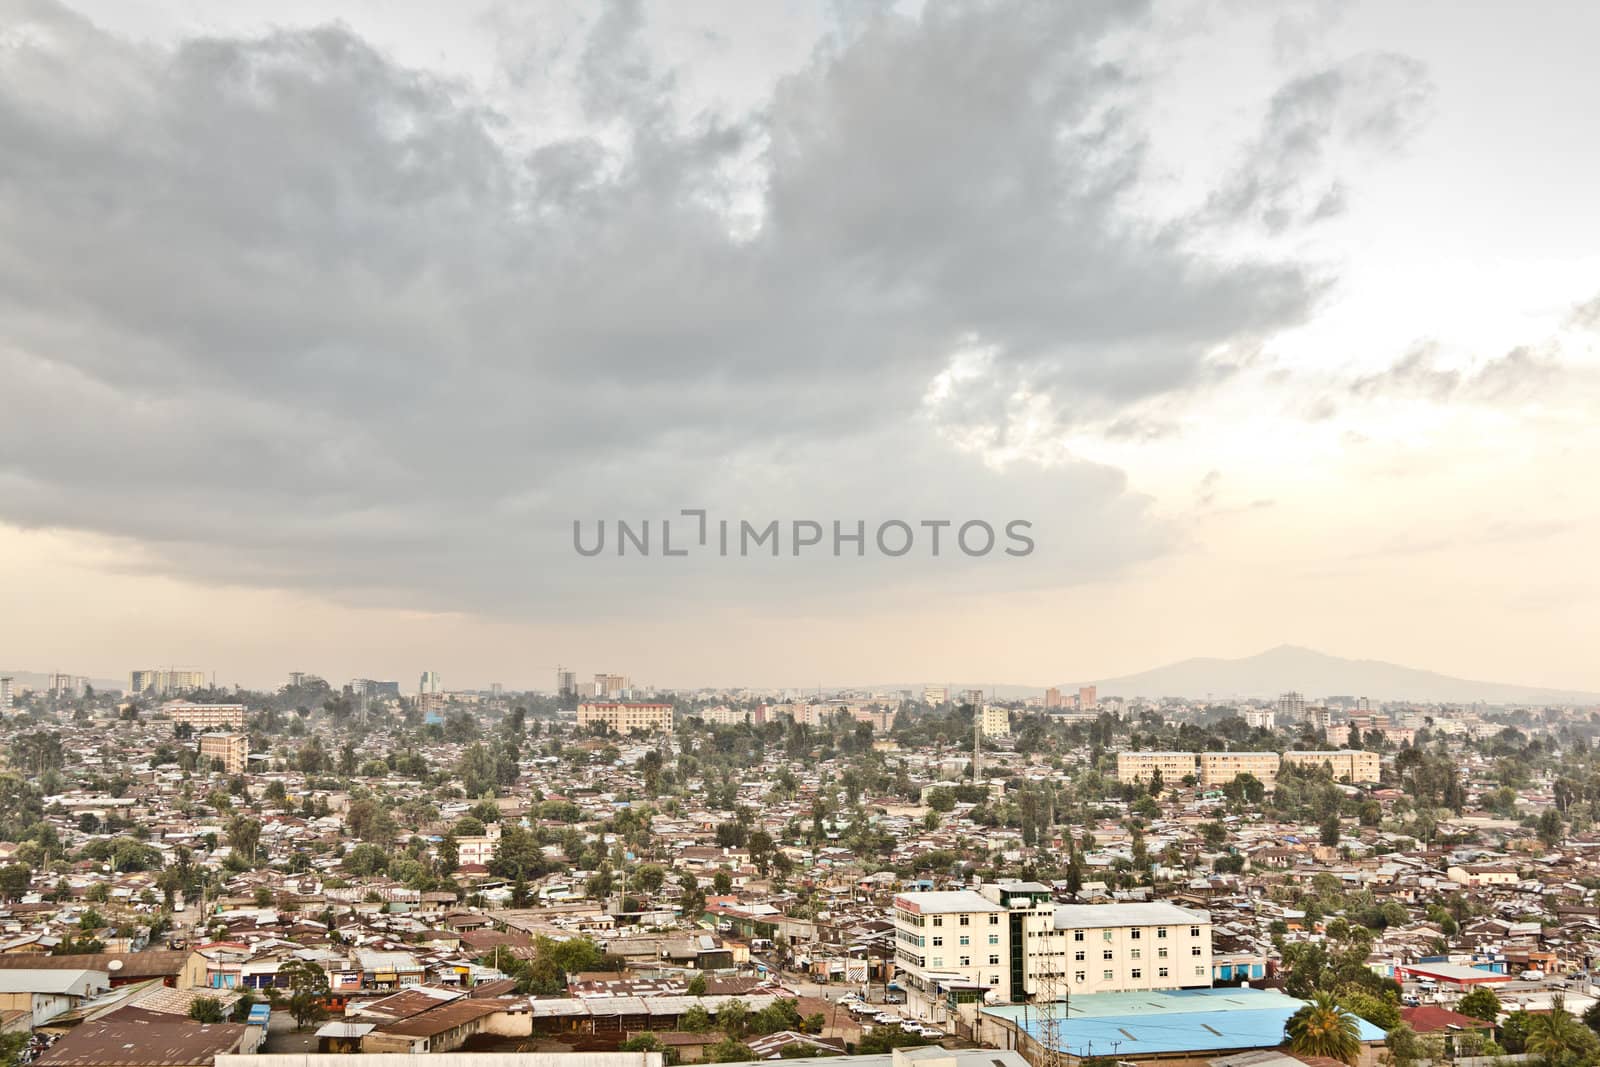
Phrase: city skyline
(322,324)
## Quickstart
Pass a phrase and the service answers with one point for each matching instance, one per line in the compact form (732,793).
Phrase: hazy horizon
(322,323)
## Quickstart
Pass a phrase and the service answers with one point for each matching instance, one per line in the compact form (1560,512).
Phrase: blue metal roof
(1167,1021)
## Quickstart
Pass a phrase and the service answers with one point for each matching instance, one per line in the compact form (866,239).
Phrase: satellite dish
(114,965)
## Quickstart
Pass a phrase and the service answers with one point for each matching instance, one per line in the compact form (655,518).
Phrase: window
(1162,952)
(938,920)
(1136,973)
(1135,934)
(965,940)
(1162,972)
(1194,931)
(1108,955)
(1195,951)
(1077,935)
(994,939)
(938,942)
(966,961)
(1078,976)
(966,920)
(1108,974)
(994,980)
(994,920)
(1078,955)
(994,958)
(937,961)
(1161,932)
(1136,953)
(1199,970)
(1106,936)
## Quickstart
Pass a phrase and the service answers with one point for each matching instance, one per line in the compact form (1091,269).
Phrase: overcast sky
(321,323)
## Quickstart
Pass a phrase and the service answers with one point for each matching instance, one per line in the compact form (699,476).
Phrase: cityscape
(858,533)
(606,868)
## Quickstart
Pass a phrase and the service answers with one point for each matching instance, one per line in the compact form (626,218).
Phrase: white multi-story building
(1012,940)
(7,696)
(164,682)
(1113,948)
(952,937)
(996,721)
(1261,718)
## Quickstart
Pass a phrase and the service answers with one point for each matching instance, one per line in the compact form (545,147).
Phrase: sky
(323,325)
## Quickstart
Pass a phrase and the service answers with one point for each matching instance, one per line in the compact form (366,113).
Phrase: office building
(1052,698)
(232,749)
(429,684)
(625,718)
(996,721)
(935,694)
(952,937)
(1088,698)
(1011,938)
(609,685)
(163,682)
(1355,766)
(205,716)
(566,683)
(1291,707)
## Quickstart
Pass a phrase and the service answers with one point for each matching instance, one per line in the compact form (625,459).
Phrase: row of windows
(1135,934)
(966,961)
(994,939)
(1110,975)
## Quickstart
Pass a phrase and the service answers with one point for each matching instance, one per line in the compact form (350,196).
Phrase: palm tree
(1323,1028)
(1559,1038)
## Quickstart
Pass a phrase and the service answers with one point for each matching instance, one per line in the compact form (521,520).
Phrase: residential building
(205,716)
(609,685)
(1217,769)
(1354,765)
(935,694)
(429,684)
(163,682)
(1088,698)
(1143,766)
(996,721)
(1052,698)
(7,693)
(625,718)
(1291,707)
(1261,718)
(232,749)
(1073,949)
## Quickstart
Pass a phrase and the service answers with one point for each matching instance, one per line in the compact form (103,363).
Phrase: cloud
(1370,104)
(277,310)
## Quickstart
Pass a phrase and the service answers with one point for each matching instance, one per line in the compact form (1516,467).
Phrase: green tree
(308,984)
(1323,1028)
(697,987)
(205,1010)
(1483,1003)
(1560,1039)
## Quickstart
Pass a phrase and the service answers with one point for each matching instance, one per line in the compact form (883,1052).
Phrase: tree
(1560,1039)
(697,987)
(244,837)
(14,881)
(1323,1028)
(205,1010)
(722,882)
(1482,1003)
(733,1017)
(1330,830)
(307,984)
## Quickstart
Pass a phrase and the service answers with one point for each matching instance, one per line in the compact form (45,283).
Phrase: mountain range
(1319,675)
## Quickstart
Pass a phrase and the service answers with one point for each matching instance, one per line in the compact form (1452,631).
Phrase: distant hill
(1319,675)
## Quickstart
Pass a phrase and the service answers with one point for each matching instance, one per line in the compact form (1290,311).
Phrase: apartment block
(626,718)
(205,716)
(1217,769)
(1071,949)
(1355,765)
(232,749)
(1142,766)
(996,721)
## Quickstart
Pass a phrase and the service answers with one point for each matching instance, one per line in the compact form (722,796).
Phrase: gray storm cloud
(281,311)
